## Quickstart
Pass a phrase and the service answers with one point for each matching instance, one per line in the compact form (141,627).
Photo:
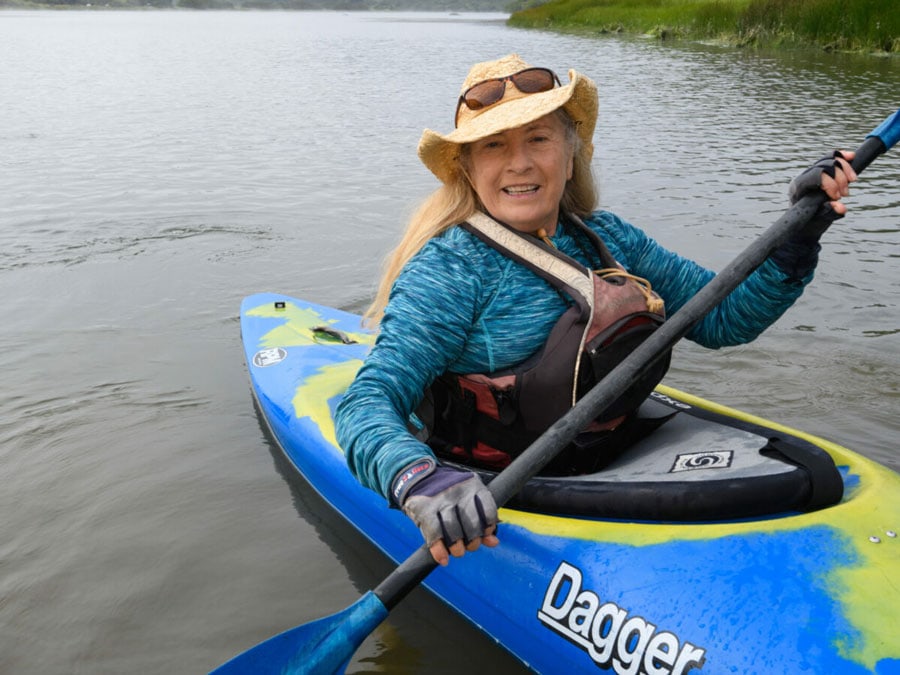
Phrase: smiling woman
(510,297)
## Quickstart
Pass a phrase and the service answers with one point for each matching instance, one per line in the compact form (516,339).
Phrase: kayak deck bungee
(661,577)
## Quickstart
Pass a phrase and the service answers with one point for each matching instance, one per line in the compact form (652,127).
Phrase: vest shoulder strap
(556,268)
(606,258)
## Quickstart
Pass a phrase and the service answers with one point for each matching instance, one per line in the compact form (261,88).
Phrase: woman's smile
(517,190)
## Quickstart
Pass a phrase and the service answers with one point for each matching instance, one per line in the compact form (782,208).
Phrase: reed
(852,25)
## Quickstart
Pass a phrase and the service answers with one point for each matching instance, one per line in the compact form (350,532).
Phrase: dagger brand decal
(629,645)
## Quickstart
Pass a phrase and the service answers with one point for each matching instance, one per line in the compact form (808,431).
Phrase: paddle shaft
(513,478)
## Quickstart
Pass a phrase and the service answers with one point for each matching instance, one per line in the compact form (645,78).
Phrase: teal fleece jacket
(460,306)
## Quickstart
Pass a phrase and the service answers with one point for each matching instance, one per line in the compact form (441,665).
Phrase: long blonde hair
(454,202)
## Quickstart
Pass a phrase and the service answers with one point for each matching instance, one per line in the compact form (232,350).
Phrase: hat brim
(440,152)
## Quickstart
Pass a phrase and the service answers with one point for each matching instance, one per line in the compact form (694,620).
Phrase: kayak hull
(792,593)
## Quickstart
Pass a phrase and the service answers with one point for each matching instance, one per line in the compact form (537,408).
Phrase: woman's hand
(832,175)
(453,509)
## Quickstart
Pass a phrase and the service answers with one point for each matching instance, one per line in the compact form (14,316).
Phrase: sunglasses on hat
(488,92)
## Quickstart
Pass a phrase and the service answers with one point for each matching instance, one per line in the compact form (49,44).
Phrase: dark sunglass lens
(533,81)
(484,94)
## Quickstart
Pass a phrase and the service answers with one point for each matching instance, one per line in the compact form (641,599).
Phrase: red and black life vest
(486,419)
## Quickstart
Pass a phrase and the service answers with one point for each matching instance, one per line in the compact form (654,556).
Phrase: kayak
(718,542)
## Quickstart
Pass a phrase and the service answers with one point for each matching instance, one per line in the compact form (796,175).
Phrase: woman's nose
(519,157)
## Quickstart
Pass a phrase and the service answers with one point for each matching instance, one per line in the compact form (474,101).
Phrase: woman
(487,306)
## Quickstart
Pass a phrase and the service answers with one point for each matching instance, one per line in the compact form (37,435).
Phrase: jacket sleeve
(424,329)
(753,306)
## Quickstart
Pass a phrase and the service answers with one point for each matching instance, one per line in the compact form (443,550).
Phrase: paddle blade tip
(321,647)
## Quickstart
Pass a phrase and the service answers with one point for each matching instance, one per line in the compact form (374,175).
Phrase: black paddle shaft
(512,479)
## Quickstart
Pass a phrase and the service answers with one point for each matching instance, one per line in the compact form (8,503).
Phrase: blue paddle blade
(888,131)
(321,647)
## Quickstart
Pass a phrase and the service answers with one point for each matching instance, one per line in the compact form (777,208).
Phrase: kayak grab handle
(333,333)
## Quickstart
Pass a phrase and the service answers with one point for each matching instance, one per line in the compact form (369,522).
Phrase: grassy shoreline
(834,25)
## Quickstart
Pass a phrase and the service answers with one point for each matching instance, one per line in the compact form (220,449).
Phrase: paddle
(326,645)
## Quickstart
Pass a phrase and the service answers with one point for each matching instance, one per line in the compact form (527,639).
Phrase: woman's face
(520,174)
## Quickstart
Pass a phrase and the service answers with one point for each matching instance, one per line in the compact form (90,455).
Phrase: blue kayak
(717,542)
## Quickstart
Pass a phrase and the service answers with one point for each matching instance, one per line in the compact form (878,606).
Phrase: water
(156,167)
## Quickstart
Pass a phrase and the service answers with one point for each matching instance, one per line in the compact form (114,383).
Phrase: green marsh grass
(852,25)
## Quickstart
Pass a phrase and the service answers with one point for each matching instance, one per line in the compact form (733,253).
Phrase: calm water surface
(156,167)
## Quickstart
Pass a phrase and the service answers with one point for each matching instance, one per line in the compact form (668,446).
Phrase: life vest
(486,419)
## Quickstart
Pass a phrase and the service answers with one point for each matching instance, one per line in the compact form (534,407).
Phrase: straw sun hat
(440,153)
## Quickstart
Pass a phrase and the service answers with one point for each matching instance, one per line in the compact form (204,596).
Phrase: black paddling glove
(810,182)
(797,257)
